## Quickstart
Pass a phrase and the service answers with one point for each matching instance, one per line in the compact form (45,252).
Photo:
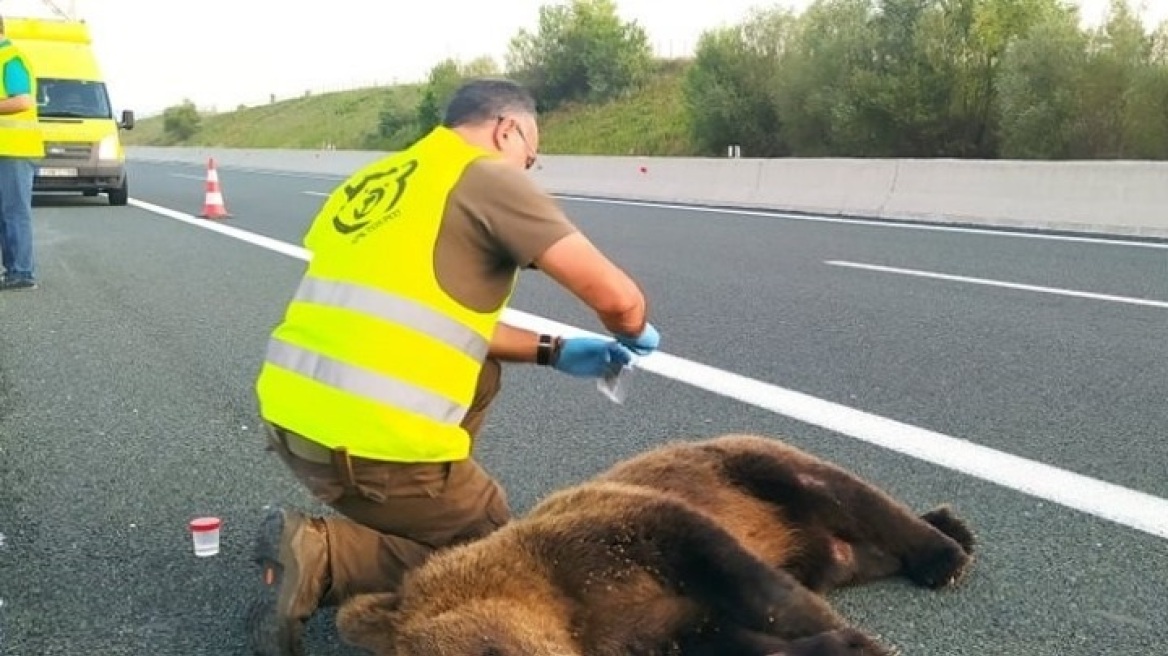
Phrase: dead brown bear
(720,546)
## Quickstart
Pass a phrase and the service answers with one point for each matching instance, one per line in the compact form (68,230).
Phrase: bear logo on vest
(372,200)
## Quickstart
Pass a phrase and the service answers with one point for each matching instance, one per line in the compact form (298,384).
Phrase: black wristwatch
(548,350)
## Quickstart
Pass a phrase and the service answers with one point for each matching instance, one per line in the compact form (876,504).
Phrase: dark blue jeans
(16,254)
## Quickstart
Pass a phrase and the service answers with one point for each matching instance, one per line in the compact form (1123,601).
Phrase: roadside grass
(651,121)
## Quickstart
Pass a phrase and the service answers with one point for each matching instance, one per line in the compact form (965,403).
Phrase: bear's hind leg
(730,641)
(871,522)
(841,642)
(846,564)
(692,554)
(737,641)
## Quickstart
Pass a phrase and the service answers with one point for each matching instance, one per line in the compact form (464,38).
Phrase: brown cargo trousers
(394,515)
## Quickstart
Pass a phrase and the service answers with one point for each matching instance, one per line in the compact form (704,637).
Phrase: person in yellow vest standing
(377,380)
(21,144)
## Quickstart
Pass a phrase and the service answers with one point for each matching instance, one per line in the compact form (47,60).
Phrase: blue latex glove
(591,357)
(642,344)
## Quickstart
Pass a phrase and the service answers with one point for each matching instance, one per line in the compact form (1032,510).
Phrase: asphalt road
(126,408)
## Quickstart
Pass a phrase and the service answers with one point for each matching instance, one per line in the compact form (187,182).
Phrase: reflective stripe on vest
(20,133)
(373,355)
(365,383)
(394,309)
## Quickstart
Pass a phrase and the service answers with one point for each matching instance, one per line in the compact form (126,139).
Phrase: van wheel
(121,195)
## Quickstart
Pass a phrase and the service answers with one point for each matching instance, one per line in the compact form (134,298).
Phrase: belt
(305,449)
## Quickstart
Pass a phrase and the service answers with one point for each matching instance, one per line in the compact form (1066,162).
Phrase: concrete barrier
(1114,197)
(327,162)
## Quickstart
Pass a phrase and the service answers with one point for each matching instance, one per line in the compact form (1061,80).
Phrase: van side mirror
(127,119)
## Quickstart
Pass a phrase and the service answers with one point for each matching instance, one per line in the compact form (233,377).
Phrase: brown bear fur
(721,546)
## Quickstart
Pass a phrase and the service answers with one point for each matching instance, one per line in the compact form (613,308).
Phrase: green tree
(728,89)
(1145,103)
(1159,51)
(893,94)
(1145,118)
(443,80)
(935,70)
(581,51)
(817,91)
(397,123)
(182,121)
(1038,82)
(988,28)
(1118,50)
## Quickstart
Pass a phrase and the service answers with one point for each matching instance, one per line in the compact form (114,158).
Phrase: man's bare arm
(513,344)
(20,103)
(582,269)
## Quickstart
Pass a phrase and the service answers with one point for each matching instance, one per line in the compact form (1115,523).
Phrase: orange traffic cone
(213,207)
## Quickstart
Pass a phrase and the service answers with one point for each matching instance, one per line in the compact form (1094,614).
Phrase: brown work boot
(292,552)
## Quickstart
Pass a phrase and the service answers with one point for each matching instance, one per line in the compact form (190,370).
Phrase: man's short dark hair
(484,99)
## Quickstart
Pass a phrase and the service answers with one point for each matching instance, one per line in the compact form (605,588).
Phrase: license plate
(58,173)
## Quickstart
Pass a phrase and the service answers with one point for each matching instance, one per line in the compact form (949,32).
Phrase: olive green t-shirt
(496,220)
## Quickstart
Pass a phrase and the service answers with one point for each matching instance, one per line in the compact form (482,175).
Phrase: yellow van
(83,151)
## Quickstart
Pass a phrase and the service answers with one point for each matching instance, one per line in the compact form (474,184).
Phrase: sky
(223,53)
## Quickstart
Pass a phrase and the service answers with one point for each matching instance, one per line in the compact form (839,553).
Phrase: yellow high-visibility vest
(372,354)
(20,134)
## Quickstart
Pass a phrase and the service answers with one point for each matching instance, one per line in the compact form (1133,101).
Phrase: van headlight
(107,150)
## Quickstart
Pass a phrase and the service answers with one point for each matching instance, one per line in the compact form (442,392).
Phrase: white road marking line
(243,235)
(1000,283)
(1000,231)
(1121,505)
(315,193)
(186,176)
(1004,231)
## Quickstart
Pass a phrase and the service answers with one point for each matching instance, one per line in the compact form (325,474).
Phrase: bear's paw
(943,518)
(366,620)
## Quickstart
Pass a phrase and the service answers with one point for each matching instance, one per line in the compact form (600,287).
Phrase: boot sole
(270,633)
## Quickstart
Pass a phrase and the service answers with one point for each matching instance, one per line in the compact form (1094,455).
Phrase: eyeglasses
(531,154)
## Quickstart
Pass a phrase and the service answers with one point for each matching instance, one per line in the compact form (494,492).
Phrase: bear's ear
(369,621)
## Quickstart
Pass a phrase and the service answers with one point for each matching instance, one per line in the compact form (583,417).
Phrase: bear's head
(475,627)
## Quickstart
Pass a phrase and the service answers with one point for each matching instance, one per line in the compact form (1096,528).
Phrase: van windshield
(72,99)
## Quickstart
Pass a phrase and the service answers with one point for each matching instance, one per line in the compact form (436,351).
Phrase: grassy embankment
(650,122)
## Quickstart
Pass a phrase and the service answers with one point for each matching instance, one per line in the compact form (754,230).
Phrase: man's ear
(369,621)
